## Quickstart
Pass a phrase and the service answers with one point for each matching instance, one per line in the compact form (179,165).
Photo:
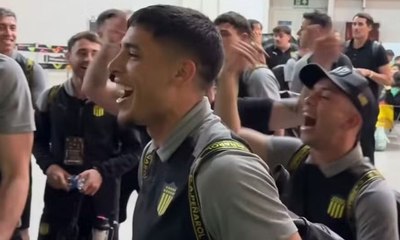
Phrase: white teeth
(119,100)
(123,88)
(121,92)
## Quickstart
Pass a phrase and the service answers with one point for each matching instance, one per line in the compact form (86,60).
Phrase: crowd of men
(222,137)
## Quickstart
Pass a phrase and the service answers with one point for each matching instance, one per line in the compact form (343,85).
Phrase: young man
(282,50)
(370,60)
(37,83)
(338,105)
(237,195)
(255,82)
(16,138)
(86,142)
(33,71)
(315,25)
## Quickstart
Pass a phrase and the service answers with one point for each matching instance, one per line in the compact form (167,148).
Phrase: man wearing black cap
(327,162)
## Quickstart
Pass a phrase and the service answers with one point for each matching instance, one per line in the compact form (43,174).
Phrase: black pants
(59,229)
(70,215)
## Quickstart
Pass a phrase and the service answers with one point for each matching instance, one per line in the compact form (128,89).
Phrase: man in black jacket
(75,137)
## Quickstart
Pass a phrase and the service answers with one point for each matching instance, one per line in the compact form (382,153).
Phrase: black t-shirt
(254,113)
(365,57)
(277,57)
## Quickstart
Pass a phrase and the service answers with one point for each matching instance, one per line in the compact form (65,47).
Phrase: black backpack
(27,65)
(307,230)
(282,178)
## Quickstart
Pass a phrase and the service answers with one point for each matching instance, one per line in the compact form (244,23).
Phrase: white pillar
(331,9)
(266,12)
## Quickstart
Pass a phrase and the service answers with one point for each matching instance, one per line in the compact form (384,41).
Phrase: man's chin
(126,120)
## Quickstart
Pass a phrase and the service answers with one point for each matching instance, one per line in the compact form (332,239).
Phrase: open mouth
(125,93)
(309,121)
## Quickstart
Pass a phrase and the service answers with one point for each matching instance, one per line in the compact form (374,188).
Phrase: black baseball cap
(353,84)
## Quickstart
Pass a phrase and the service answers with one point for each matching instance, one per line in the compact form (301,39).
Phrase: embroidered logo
(166,198)
(336,207)
(98,111)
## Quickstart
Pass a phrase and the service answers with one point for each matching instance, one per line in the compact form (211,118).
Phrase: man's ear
(370,27)
(186,71)
(67,56)
(353,121)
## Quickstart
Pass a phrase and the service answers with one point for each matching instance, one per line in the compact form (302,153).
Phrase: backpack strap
(53,91)
(29,70)
(208,152)
(365,180)
(298,158)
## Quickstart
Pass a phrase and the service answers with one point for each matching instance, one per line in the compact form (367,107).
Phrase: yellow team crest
(166,198)
(336,207)
(98,111)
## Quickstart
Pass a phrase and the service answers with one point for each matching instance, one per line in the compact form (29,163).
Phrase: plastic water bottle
(101,228)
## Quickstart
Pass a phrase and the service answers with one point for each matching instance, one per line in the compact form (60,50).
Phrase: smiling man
(37,83)
(85,141)
(169,58)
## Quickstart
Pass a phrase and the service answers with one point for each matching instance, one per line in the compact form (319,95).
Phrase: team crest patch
(44,229)
(98,111)
(363,99)
(166,198)
(336,207)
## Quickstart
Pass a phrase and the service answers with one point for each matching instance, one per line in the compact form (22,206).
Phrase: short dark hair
(5,12)
(389,52)
(396,79)
(88,35)
(239,22)
(107,14)
(282,29)
(188,29)
(319,18)
(253,22)
(366,16)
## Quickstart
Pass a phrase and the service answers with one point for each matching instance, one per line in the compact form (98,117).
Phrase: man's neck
(77,85)
(359,42)
(323,157)
(163,127)
(284,48)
